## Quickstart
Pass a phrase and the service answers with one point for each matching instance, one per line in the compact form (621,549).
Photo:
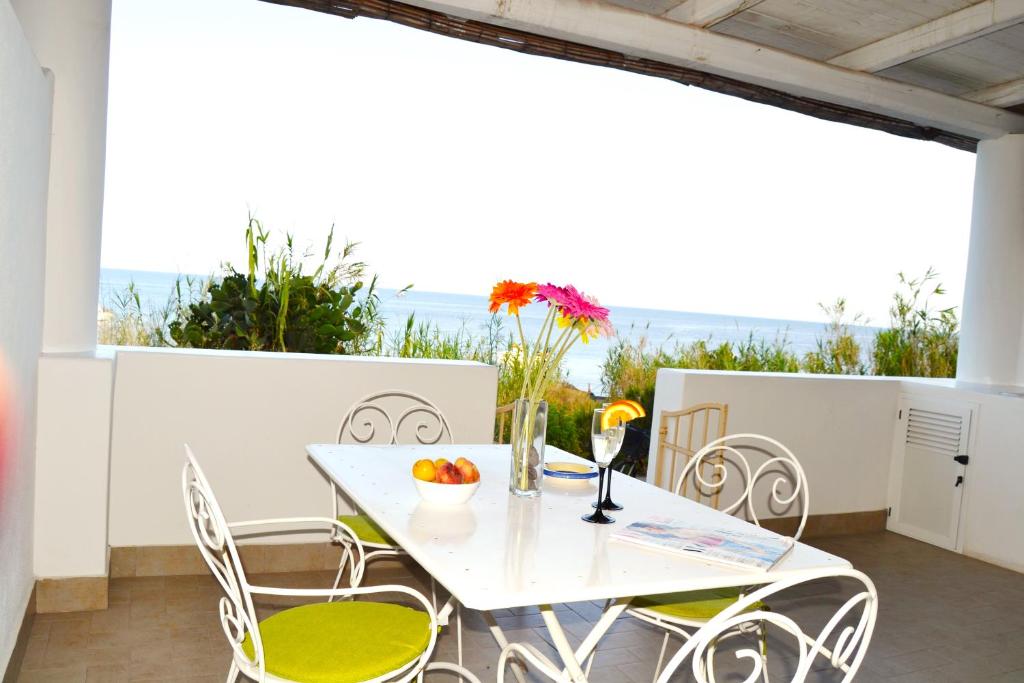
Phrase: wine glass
(606,444)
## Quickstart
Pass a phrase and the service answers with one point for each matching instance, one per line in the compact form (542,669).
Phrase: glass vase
(529,427)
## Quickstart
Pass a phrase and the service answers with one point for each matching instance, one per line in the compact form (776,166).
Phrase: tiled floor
(943,617)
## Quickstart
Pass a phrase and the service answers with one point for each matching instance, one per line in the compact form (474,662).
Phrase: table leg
(518,670)
(571,671)
(572,659)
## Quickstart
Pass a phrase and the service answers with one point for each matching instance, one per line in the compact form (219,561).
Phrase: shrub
(276,306)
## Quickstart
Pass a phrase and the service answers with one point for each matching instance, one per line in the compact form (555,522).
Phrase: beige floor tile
(167,628)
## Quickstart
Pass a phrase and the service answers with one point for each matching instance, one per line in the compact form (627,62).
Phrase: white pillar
(992,336)
(72,39)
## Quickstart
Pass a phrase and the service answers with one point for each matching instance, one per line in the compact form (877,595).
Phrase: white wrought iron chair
(732,474)
(681,433)
(388,418)
(369,421)
(843,641)
(502,415)
(370,642)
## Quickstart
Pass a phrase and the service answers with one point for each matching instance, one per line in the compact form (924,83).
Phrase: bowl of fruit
(446,483)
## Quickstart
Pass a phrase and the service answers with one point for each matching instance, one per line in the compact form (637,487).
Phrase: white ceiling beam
(942,33)
(642,35)
(1007,94)
(707,13)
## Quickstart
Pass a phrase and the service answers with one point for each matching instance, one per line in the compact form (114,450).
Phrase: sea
(455,312)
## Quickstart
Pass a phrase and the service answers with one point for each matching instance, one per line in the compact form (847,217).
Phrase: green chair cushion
(366,529)
(701,605)
(341,642)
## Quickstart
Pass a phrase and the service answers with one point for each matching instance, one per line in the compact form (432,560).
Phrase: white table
(499,551)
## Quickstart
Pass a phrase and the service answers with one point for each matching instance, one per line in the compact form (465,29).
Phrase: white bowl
(446,494)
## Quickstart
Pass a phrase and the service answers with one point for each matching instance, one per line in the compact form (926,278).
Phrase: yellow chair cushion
(366,529)
(341,642)
(700,605)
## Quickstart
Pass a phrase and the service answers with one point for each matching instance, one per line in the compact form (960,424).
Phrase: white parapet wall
(842,430)
(73,464)
(248,416)
(839,428)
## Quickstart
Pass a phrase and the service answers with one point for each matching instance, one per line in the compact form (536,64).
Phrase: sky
(455,165)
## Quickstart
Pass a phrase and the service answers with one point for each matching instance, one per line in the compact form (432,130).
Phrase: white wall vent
(934,430)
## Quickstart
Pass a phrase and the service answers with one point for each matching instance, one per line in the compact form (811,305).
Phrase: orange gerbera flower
(515,294)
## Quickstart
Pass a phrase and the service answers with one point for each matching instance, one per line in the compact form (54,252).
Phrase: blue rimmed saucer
(569,470)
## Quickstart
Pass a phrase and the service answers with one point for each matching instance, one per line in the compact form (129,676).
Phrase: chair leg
(661,657)
(709,658)
(762,632)
(433,593)
(458,632)
(345,555)
(232,672)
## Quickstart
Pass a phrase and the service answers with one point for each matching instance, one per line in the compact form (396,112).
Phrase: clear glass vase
(529,428)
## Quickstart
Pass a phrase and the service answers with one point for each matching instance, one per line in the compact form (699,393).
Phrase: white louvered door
(929,470)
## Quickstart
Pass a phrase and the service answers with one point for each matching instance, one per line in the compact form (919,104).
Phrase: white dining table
(500,551)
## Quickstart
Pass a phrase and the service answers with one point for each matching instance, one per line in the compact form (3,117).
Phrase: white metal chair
(388,418)
(385,418)
(502,415)
(343,641)
(739,465)
(681,433)
(843,641)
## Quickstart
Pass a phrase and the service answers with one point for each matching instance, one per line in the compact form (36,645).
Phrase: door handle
(959,480)
(961,459)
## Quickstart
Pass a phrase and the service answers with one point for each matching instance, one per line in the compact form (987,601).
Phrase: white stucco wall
(839,428)
(25,105)
(248,418)
(73,464)
(72,39)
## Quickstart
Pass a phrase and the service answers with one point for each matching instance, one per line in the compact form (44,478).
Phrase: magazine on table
(760,549)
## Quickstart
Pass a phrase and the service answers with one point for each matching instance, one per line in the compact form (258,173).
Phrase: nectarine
(448,474)
(469,471)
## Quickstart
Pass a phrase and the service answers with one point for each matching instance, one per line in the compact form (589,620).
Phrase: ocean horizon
(454,312)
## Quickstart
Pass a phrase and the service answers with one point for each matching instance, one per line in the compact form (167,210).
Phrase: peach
(469,471)
(448,474)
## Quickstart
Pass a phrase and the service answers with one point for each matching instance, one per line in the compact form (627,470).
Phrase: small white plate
(569,470)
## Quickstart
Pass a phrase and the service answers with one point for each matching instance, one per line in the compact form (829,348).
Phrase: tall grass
(921,341)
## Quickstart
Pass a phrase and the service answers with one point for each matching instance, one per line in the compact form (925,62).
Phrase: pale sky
(457,164)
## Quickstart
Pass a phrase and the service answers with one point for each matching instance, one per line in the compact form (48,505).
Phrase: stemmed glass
(608,503)
(606,444)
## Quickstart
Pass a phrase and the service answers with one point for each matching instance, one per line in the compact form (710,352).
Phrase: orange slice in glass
(621,412)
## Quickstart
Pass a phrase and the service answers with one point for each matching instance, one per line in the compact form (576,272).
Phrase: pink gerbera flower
(552,294)
(582,307)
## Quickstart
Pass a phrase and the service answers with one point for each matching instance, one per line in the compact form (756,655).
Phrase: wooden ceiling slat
(529,43)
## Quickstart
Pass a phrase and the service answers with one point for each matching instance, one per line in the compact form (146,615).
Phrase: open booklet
(760,549)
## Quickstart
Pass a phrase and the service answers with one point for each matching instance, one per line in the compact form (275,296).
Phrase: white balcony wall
(25,109)
(248,417)
(73,464)
(839,428)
